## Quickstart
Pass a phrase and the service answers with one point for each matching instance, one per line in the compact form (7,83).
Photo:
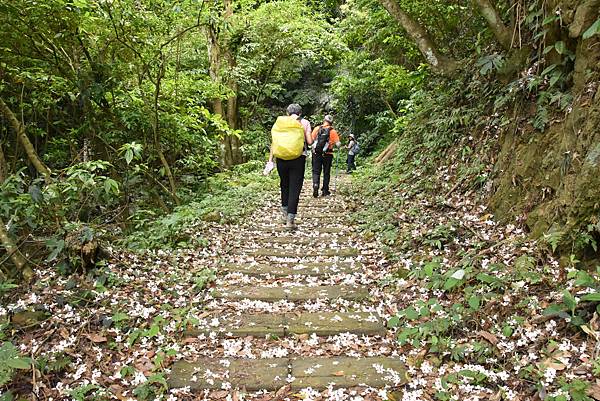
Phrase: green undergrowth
(227,198)
(471,291)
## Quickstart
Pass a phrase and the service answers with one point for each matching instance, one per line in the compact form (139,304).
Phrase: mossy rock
(26,319)
(212,217)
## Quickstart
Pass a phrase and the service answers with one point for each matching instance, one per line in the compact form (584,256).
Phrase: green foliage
(154,387)
(89,392)
(203,278)
(227,198)
(10,362)
(594,29)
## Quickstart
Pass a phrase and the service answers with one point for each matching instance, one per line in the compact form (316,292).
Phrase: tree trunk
(3,166)
(502,33)
(156,132)
(11,249)
(214,61)
(422,39)
(232,112)
(387,153)
(41,168)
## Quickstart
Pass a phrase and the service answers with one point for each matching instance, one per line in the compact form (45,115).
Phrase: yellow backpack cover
(287,138)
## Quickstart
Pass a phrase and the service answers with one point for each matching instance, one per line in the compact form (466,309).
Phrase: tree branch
(502,33)
(421,38)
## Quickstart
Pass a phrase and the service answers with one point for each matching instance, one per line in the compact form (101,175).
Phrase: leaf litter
(124,333)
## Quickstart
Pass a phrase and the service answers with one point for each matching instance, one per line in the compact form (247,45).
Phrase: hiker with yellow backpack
(290,139)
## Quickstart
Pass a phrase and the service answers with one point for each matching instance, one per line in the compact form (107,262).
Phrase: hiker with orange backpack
(325,137)
(290,138)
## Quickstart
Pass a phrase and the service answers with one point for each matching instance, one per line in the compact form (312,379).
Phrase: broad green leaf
(569,300)
(555,78)
(154,330)
(411,313)
(19,363)
(595,297)
(553,309)
(119,317)
(450,283)
(560,47)
(393,322)
(592,30)
(475,302)
(129,156)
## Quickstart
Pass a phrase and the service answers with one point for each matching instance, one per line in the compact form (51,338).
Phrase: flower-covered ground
(476,311)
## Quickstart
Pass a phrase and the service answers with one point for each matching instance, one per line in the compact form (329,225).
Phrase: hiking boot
(290,223)
(326,193)
(315,193)
(284,214)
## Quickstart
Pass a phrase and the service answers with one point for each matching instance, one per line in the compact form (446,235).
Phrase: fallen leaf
(118,391)
(594,391)
(96,338)
(219,394)
(339,373)
(492,339)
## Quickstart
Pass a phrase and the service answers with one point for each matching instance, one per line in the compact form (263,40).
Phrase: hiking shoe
(326,194)
(291,225)
(315,193)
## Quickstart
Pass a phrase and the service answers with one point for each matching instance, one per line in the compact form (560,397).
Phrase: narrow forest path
(295,312)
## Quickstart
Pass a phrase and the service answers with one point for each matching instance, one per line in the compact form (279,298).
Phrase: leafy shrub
(227,197)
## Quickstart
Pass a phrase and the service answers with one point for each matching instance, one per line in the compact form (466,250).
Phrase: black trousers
(321,163)
(350,163)
(291,175)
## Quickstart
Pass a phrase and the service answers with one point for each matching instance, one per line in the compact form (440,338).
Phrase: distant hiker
(325,137)
(290,136)
(353,149)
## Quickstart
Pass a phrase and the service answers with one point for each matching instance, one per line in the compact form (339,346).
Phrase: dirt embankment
(551,179)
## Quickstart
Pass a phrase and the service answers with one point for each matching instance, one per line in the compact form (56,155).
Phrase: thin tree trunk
(232,112)
(419,35)
(11,248)
(502,33)
(156,132)
(3,166)
(41,168)
(214,61)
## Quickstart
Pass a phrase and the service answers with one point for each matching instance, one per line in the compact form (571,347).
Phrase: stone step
(213,374)
(315,269)
(281,325)
(344,372)
(305,206)
(272,374)
(332,323)
(338,263)
(284,253)
(300,293)
(292,240)
(303,228)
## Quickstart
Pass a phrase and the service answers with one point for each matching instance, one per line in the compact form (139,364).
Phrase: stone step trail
(303,228)
(292,324)
(270,265)
(299,241)
(286,270)
(280,253)
(299,293)
(272,374)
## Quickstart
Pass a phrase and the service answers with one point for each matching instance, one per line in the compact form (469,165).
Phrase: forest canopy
(138,103)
